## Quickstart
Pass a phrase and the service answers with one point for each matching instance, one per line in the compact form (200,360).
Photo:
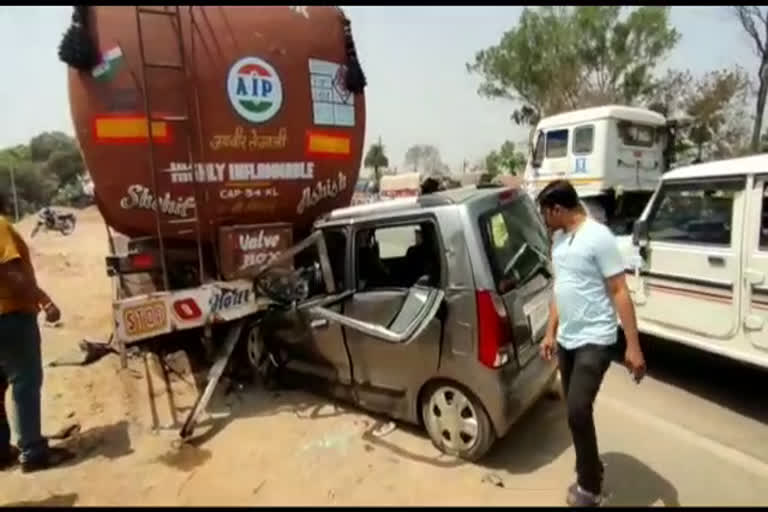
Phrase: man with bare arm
(20,360)
(590,289)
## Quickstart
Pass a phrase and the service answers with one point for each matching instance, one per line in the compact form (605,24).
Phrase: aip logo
(254,89)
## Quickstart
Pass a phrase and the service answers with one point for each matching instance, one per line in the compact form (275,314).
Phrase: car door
(310,343)
(756,269)
(392,329)
(692,267)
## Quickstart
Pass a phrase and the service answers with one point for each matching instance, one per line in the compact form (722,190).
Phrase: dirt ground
(665,442)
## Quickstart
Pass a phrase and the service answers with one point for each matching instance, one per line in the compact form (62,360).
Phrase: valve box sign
(252,245)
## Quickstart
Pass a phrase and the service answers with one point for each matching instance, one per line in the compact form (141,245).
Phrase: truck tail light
(142,261)
(493,330)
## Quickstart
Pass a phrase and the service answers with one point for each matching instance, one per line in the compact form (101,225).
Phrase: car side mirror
(640,237)
(640,233)
(537,151)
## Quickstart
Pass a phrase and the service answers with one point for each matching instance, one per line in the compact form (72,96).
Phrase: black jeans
(582,371)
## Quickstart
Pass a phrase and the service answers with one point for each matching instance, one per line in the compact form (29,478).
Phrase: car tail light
(142,261)
(508,194)
(493,330)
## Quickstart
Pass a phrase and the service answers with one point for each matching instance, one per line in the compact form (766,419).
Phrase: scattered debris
(384,429)
(177,366)
(258,487)
(493,479)
(70,414)
(86,353)
(368,448)
(331,442)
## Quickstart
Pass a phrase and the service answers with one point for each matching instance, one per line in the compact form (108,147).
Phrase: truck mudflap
(155,314)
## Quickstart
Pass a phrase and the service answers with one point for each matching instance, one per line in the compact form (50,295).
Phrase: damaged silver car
(428,310)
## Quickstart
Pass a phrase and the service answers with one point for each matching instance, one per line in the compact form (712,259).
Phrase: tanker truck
(214,136)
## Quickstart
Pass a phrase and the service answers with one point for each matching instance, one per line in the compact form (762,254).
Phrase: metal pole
(15,197)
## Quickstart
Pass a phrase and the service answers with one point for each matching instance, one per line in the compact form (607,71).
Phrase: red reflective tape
(328,144)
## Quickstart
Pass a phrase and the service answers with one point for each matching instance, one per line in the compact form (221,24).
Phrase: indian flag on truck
(110,63)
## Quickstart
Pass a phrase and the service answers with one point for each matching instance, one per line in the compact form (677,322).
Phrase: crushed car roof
(406,205)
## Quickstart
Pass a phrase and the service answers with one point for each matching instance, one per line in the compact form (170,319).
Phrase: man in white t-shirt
(590,289)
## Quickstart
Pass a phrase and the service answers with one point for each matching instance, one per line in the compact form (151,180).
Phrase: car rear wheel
(457,422)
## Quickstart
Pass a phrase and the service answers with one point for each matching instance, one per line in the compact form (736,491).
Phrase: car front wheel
(457,422)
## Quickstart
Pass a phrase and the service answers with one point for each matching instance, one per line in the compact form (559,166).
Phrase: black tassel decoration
(355,79)
(76,48)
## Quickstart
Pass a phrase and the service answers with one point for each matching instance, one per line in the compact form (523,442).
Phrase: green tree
(42,146)
(712,110)
(754,21)
(511,160)
(492,167)
(425,158)
(717,107)
(377,160)
(563,58)
(49,170)
(505,160)
(66,164)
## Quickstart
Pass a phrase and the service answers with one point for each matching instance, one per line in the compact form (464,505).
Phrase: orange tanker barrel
(277,133)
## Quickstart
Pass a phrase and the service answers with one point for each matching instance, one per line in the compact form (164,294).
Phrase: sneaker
(9,458)
(578,497)
(48,459)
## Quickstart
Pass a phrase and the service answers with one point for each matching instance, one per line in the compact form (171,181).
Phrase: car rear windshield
(516,242)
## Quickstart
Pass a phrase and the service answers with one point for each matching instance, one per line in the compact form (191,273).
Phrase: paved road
(694,432)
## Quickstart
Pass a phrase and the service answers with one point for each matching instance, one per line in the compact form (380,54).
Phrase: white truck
(697,262)
(614,156)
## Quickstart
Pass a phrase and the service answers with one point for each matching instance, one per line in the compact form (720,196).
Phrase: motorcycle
(54,221)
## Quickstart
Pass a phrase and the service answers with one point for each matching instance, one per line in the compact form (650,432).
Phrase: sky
(419,91)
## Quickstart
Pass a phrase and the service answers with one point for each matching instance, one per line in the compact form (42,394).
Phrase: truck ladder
(182,120)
